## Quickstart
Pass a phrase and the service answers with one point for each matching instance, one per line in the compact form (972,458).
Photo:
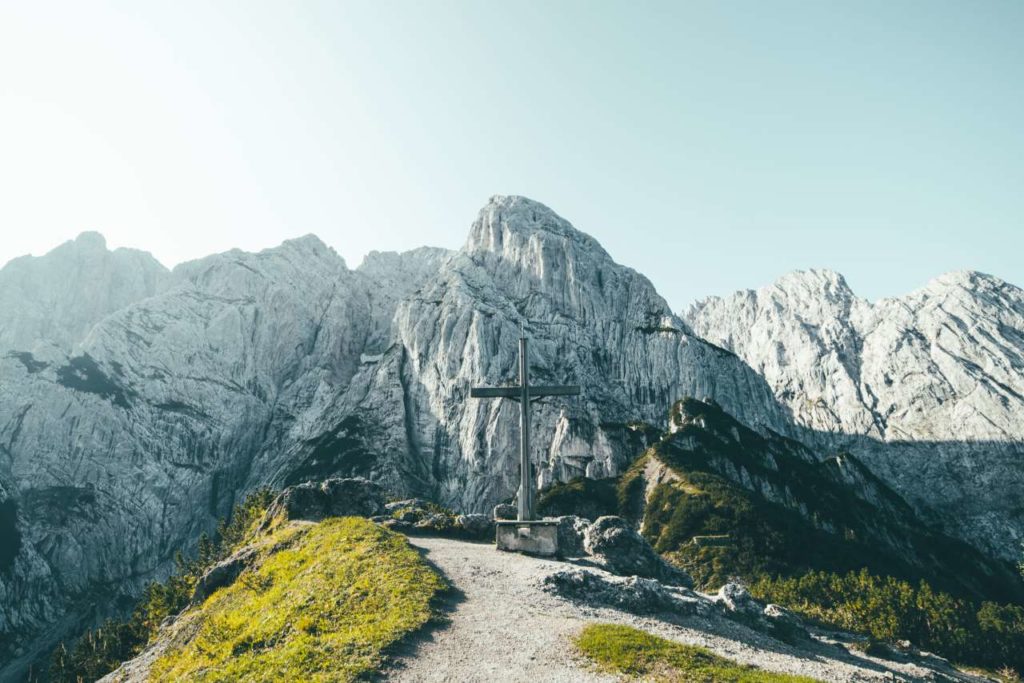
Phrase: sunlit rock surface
(927,388)
(137,405)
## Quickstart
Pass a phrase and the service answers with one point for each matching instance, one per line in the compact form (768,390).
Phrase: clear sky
(711,145)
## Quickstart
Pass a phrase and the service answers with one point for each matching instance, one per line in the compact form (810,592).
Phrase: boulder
(735,598)
(222,574)
(633,594)
(623,551)
(775,620)
(475,525)
(334,497)
(783,624)
(505,511)
(436,522)
(571,533)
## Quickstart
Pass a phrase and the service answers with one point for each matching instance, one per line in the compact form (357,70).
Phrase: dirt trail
(503,627)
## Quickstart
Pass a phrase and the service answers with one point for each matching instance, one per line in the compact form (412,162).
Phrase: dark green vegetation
(101,650)
(789,514)
(590,498)
(888,609)
(630,651)
(322,605)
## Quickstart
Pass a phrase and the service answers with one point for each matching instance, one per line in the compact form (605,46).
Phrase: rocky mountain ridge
(120,447)
(927,389)
(128,428)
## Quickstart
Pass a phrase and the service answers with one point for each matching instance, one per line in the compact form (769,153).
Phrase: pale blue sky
(711,145)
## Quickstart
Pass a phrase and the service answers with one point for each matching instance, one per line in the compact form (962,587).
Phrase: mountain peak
(90,239)
(512,217)
(814,278)
(965,279)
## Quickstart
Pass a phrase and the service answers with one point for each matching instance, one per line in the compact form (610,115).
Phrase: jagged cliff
(928,388)
(130,422)
(121,444)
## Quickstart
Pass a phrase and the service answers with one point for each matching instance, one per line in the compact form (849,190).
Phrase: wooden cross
(524,393)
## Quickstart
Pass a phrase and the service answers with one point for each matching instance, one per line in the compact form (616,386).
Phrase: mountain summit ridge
(129,429)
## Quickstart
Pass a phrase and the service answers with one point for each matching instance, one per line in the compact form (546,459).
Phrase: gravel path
(502,627)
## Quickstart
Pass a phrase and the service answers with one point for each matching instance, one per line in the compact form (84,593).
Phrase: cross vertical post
(526,510)
(525,394)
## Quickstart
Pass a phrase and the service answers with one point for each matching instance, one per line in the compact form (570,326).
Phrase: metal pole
(525,487)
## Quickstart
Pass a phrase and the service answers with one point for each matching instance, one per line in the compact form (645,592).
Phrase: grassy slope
(629,651)
(324,603)
(834,529)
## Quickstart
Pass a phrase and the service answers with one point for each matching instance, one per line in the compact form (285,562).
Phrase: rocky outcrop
(633,594)
(223,573)
(314,501)
(625,552)
(572,532)
(738,604)
(55,299)
(136,406)
(927,389)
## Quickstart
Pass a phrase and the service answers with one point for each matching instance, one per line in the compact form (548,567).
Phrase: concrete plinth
(536,537)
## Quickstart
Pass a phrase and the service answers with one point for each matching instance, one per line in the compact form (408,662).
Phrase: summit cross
(524,393)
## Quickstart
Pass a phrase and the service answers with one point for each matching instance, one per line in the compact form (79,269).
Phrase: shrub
(889,609)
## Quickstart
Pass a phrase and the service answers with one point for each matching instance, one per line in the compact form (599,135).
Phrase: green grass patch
(632,652)
(324,603)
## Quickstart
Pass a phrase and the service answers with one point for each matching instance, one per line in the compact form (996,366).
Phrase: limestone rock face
(122,446)
(137,405)
(57,298)
(927,389)
(590,322)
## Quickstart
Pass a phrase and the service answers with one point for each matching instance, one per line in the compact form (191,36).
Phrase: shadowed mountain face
(127,428)
(723,501)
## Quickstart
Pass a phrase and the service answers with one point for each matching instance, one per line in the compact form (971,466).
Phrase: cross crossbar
(524,393)
(538,391)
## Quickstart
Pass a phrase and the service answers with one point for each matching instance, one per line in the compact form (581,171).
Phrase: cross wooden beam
(525,394)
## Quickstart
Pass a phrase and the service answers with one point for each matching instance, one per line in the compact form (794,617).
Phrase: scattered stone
(505,511)
(737,599)
(783,624)
(413,503)
(222,574)
(435,521)
(633,594)
(475,525)
(625,552)
(571,533)
(334,497)
(774,620)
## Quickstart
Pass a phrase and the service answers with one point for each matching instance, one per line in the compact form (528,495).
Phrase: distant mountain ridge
(927,388)
(129,425)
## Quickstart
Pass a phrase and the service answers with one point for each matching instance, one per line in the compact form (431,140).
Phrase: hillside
(766,504)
